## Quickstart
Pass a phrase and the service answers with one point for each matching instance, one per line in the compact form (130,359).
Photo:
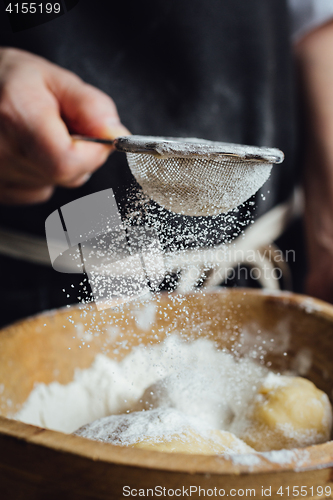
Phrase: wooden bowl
(41,464)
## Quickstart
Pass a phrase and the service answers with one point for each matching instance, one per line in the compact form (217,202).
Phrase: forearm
(315,62)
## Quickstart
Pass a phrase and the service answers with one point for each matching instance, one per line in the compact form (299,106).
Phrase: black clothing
(214,69)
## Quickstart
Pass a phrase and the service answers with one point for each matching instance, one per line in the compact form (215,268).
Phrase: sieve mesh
(193,176)
(198,186)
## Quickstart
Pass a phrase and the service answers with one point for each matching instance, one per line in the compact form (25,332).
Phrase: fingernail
(85,178)
(114,128)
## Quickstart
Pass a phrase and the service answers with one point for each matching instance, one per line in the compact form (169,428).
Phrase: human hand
(40,103)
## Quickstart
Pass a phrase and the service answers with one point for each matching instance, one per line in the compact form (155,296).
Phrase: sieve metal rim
(171,147)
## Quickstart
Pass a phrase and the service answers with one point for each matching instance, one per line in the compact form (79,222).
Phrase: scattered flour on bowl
(296,457)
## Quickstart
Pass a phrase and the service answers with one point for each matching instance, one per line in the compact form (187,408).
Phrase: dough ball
(288,412)
(163,429)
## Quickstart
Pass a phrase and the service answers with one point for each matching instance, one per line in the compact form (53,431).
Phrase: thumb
(85,109)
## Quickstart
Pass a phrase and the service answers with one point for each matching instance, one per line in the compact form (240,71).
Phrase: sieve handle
(108,142)
(120,144)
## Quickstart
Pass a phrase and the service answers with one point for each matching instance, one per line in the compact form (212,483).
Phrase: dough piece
(215,443)
(163,429)
(157,395)
(198,395)
(288,412)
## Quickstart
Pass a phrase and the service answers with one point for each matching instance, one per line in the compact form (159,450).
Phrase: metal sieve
(195,176)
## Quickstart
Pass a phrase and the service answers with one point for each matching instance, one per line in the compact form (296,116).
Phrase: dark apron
(214,69)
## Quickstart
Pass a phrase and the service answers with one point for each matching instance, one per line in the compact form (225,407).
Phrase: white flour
(194,377)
